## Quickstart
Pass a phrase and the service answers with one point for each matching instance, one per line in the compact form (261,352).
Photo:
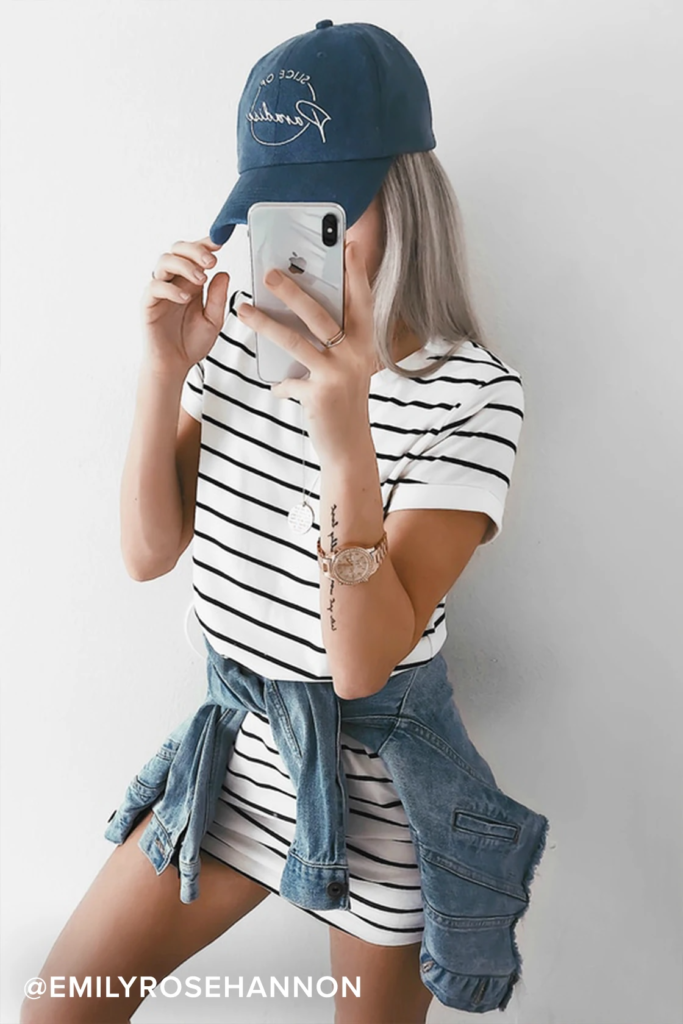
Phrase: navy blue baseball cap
(322,117)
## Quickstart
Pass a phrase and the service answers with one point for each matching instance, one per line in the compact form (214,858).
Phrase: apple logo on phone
(297,264)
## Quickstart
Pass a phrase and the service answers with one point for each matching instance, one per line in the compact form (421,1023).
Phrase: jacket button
(335,888)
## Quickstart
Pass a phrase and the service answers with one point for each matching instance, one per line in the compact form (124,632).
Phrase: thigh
(131,922)
(391,988)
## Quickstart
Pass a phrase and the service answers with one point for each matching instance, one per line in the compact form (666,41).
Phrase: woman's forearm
(367,627)
(151,501)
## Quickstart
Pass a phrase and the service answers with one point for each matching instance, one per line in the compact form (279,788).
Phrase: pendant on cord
(300,518)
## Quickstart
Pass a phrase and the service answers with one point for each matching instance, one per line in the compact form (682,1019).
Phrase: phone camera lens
(330,229)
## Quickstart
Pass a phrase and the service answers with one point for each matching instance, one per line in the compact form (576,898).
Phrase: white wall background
(559,123)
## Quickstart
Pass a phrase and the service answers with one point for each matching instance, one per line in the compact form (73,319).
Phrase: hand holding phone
(306,242)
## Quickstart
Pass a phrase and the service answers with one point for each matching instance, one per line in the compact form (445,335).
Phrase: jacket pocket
(478,825)
(142,791)
(151,779)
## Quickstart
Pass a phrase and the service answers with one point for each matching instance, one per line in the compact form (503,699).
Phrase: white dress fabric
(254,826)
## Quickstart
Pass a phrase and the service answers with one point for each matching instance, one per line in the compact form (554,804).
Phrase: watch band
(352,564)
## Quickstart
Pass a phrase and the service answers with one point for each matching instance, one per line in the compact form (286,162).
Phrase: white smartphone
(306,242)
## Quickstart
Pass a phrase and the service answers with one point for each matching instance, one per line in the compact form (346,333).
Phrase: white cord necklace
(300,518)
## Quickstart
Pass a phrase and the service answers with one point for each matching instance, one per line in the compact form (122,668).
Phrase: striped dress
(445,441)
(254,826)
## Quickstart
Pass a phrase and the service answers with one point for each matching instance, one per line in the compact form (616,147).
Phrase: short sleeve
(469,465)
(192,394)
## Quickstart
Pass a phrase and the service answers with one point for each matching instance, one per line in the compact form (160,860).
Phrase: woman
(411,362)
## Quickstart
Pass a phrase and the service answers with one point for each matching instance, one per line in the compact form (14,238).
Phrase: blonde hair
(423,277)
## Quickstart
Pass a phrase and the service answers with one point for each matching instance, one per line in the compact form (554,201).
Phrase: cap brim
(351,183)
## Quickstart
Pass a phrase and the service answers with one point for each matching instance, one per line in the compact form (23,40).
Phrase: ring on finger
(339,337)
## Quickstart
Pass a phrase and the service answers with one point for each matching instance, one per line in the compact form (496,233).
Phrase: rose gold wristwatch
(353,564)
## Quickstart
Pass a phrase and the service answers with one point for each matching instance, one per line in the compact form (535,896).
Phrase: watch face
(352,565)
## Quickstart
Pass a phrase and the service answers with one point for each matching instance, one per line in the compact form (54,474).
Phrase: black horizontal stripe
(250,468)
(274,567)
(243,495)
(391,885)
(410,404)
(263,808)
(454,431)
(254,410)
(486,436)
(256,807)
(375,924)
(470,359)
(358,750)
(374,803)
(255,736)
(248,379)
(506,408)
(268,627)
(252,529)
(256,760)
(263,445)
(271,658)
(378,860)
(376,817)
(383,907)
(261,785)
(365,778)
(255,590)
(265,845)
(264,828)
(456,462)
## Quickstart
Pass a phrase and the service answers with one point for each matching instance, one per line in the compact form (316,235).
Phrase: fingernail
(244,309)
(273,277)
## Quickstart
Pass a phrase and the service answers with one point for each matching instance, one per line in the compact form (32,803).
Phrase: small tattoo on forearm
(330,607)
(335,522)
(333,545)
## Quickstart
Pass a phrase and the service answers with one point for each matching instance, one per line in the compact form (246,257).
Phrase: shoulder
(474,376)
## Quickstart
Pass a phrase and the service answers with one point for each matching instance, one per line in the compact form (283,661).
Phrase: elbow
(352,682)
(357,686)
(143,569)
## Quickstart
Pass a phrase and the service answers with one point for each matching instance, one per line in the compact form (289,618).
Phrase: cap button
(324,24)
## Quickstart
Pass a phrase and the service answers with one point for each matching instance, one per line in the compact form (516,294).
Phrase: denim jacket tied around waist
(477,849)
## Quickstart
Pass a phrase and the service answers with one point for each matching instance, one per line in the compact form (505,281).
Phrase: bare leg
(131,922)
(392,991)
